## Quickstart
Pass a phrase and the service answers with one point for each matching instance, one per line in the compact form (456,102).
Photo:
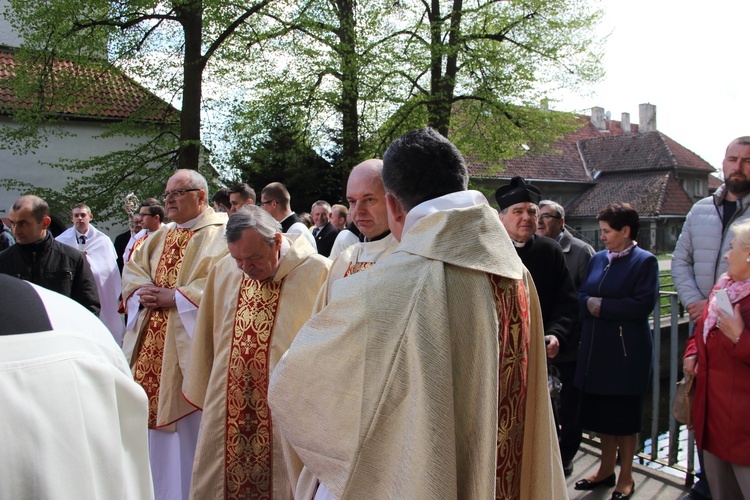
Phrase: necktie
(82,240)
(316,231)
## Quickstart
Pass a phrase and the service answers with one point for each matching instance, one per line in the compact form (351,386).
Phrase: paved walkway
(649,483)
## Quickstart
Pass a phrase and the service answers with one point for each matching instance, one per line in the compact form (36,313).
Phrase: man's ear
(277,241)
(46,221)
(395,210)
(396,216)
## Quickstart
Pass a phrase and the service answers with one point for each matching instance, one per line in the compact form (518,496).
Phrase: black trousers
(567,419)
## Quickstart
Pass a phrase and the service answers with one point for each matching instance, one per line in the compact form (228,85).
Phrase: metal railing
(674,362)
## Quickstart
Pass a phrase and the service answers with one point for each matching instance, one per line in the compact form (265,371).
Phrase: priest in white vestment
(102,257)
(425,376)
(255,301)
(73,419)
(162,286)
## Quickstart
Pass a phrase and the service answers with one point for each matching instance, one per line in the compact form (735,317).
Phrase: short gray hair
(321,203)
(554,206)
(252,217)
(197,181)
(741,232)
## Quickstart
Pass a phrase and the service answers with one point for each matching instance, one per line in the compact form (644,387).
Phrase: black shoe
(568,467)
(585,484)
(622,496)
(695,495)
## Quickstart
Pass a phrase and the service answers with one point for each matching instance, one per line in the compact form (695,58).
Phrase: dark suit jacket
(545,260)
(121,241)
(289,221)
(325,239)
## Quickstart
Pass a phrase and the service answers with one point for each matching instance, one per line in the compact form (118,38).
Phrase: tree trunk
(349,87)
(443,84)
(191,15)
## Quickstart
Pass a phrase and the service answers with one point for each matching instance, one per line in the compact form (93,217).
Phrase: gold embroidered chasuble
(204,248)
(137,244)
(150,349)
(244,327)
(375,399)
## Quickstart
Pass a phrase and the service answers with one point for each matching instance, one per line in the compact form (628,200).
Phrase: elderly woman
(718,354)
(615,357)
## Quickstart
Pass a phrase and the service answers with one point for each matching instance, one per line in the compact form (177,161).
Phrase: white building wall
(32,167)
(8,35)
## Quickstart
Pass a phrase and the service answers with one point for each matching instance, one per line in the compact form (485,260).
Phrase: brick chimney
(597,118)
(647,118)
(625,123)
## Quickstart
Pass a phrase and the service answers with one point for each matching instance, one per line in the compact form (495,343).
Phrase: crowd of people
(395,346)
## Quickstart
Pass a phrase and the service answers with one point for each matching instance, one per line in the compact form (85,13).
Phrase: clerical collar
(189,224)
(377,238)
(459,199)
(519,244)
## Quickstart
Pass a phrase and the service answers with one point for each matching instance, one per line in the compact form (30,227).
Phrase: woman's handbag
(682,406)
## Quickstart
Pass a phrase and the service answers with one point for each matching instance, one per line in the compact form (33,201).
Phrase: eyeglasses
(176,194)
(546,217)
(146,215)
(261,203)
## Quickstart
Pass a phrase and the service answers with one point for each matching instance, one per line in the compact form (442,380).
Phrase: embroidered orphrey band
(148,363)
(513,316)
(249,439)
(355,267)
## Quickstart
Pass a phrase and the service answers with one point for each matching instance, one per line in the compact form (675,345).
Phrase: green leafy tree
(172,46)
(475,72)
(283,154)
(335,69)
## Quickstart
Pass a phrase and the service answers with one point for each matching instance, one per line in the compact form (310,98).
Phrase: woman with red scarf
(718,355)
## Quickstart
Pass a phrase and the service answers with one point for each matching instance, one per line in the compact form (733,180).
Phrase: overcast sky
(690,59)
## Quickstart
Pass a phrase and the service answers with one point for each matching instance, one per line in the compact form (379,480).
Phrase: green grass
(665,285)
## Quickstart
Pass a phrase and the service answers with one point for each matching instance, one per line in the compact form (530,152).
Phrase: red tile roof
(639,152)
(576,156)
(96,90)
(652,194)
(563,162)
(714,182)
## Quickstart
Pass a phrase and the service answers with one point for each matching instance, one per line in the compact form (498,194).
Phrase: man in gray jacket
(698,259)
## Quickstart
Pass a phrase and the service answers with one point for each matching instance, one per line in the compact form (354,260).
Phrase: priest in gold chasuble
(425,375)
(255,301)
(162,286)
(366,198)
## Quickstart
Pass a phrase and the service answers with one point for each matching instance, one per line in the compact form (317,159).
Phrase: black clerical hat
(517,192)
